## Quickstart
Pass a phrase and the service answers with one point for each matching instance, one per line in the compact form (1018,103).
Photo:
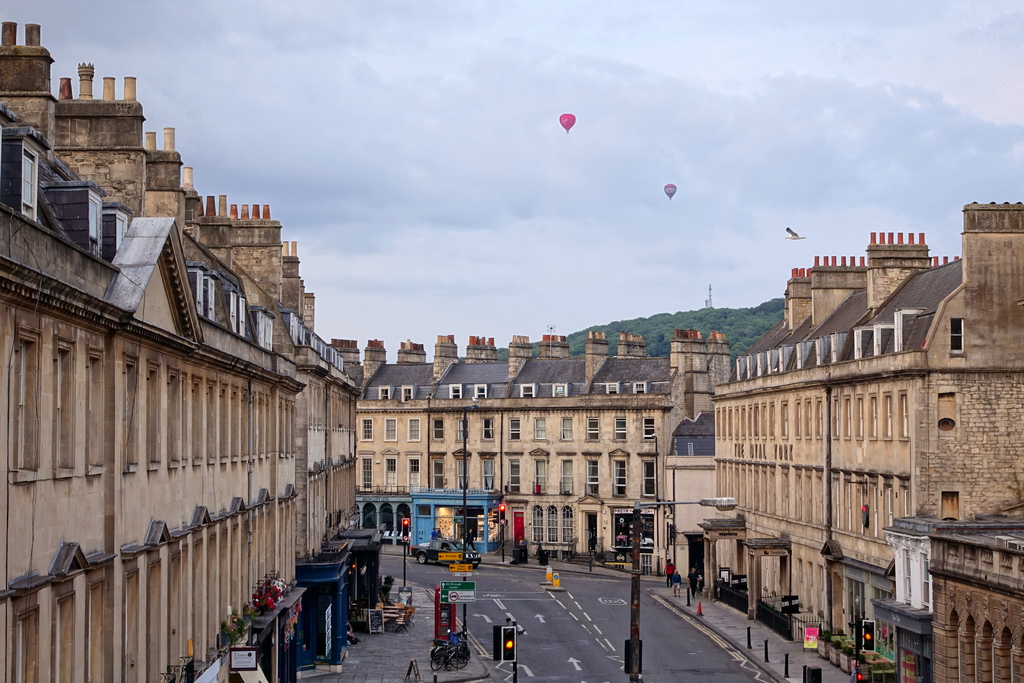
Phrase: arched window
(387,516)
(538,524)
(552,524)
(567,528)
(370,516)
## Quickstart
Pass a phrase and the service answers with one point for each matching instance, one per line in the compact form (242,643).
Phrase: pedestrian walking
(471,539)
(677,584)
(692,578)
(670,569)
(700,584)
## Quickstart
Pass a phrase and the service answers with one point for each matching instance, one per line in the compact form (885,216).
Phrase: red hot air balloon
(567,121)
(670,190)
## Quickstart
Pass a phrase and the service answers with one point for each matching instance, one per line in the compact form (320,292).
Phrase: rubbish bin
(812,674)
(520,555)
(542,557)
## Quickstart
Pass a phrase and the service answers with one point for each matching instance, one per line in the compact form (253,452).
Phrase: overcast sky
(413,149)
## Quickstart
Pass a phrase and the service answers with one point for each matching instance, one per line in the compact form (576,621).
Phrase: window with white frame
(611,388)
(593,428)
(391,471)
(566,429)
(526,391)
(455,391)
(540,429)
(513,475)
(926,584)
(639,387)
(460,470)
(487,428)
(593,477)
(384,393)
(480,391)
(565,484)
(367,473)
(538,524)
(513,429)
(559,390)
(407,394)
(391,429)
(649,482)
(233,310)
(540,476)
(366,433)
(437,429)
(552,524)
(649,428)
(414,472)
(487,472)
(437,473)
(460,433)
(904,415)
(414,429)
(619,477)
(620,428)
(95,217)
(567,526)
(956,335)
(29,183)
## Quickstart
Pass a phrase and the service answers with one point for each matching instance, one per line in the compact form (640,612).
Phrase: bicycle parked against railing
(450,653)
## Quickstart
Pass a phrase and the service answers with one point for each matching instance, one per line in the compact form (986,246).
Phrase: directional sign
(462,575)
(454,592)
(460,567)
(449,557)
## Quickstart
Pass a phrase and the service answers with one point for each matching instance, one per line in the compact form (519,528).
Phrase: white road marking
(587,616)
(603,646)
(576,663)
(559,603)
(499,603)
(574,616)
(486,618)
(597,629)
(539,616)
(610,646)
(578,606)
(526,669)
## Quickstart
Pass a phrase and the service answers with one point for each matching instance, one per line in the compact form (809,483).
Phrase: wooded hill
(741,326)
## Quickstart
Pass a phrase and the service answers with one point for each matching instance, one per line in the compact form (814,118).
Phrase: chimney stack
(348,349)
(831,283)
(631,346)
(798,298)
(520,350)
(25,79)
(890,262)
(553,346)
(445,353)
(481,350)
(691,384)
(596,353)
(411,354)
(374,356)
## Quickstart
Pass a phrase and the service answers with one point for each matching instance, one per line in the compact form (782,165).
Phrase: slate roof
(137,257)
(702,425)
(545,373)
(656,371)
(846,315)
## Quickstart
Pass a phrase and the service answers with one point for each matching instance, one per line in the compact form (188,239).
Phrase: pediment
(158,533)
(589,499)
(389,451)
(618,453)
(152,282)
(540,453)
(68,559)
(200,516)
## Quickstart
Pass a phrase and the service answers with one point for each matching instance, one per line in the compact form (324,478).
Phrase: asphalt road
(578,634)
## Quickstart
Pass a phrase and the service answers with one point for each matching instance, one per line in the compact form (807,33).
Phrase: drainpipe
(828,498)
(248,477)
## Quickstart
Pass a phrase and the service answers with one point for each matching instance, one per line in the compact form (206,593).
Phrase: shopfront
(443,510)
(910,635)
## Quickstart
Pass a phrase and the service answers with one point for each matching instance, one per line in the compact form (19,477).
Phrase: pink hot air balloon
(567,121)
(670,190)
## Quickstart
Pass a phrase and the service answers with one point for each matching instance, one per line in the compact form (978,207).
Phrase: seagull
(792,235)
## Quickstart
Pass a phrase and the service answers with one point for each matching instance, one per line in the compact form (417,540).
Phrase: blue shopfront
(442,509)
(323,622)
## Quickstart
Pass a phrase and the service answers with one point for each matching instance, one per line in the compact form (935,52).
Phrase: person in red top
(670,569)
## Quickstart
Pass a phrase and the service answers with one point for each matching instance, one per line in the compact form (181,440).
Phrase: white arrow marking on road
(486,618)
(575,663)
(540,616)
(526,669)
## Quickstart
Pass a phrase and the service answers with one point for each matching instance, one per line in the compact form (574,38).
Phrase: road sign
(460,567)
(462,575)
(454,592)
(449,557)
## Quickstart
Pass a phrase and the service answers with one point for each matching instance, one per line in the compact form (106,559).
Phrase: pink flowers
(267,596)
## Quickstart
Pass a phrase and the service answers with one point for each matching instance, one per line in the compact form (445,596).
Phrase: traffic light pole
(515,662)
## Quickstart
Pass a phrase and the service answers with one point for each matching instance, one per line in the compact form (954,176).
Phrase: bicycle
(446,655)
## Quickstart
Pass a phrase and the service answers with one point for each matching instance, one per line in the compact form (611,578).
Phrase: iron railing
(731,596)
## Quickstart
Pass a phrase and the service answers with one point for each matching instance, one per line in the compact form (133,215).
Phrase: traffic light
(501,513)
(508,643)
(860,675)
(405,528)
(865,516)
(868,635)
(672,533)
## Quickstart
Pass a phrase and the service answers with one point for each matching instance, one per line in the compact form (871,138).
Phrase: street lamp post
(723,504)
(465,484)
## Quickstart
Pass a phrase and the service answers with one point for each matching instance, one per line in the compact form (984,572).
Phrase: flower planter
(834,653)
(823,649)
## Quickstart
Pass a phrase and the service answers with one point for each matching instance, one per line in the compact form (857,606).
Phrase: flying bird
(792,235)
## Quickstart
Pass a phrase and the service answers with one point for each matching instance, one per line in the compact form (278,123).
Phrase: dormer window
(406,394)
(384,393)
(265,329)
(480,391)
(640,387)
(29,183)
(560,390)
(527,390)
(454,391)
(611,388)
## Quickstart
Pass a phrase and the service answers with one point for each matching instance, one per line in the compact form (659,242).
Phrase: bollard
(766,650)
(786,670)
(555,581)
(749,646)
(687,595)
(547,573)
(591,563)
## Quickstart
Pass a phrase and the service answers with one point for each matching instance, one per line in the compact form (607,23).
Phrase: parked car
(428,552)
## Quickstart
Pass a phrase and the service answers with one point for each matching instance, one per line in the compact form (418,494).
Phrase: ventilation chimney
(411,354)
(596,353)
(553,346)
(445,353)
(890,262)
(520,350)
(374,356)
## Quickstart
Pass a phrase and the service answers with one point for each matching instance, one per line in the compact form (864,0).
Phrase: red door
(518,527)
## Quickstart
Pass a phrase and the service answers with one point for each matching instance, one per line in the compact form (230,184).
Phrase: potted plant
(847,658)
(824,640)
(836,649)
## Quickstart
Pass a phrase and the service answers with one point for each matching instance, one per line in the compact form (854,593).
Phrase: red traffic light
(860,676)
(501,507)
(405,523)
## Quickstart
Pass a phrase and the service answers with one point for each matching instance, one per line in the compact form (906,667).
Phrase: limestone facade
(174,433)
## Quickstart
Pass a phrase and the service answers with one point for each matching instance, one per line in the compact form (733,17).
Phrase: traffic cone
(700,612)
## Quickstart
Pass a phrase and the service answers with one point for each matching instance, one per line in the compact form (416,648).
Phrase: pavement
(388,657)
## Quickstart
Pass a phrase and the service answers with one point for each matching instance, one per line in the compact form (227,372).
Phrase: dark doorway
(591,531)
